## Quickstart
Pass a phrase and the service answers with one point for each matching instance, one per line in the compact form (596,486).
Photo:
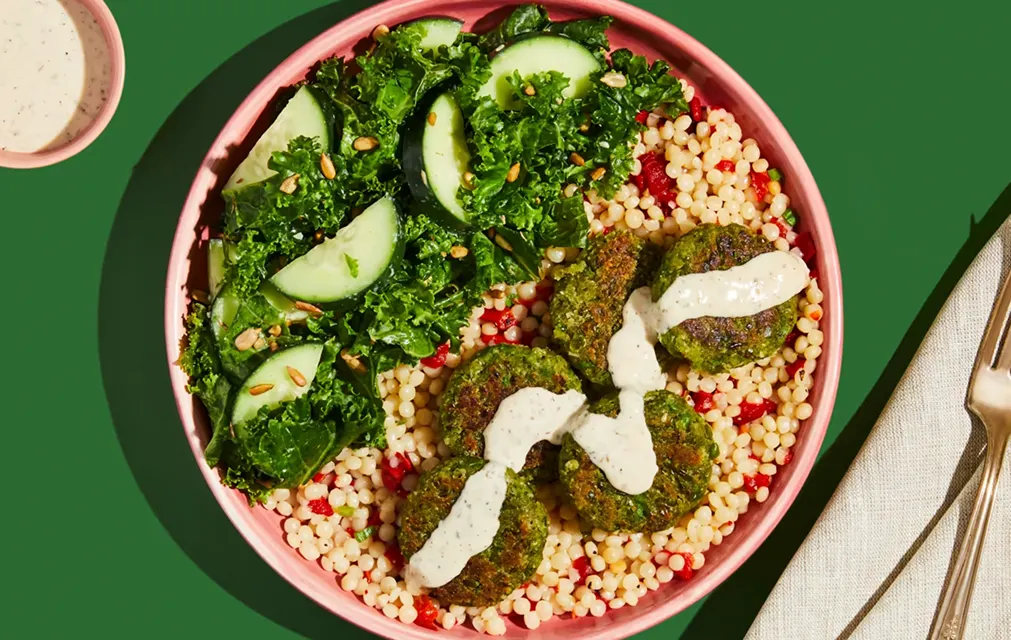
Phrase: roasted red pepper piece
(427,612)
(321,506)
(703,401)
(754,411)
(438,358)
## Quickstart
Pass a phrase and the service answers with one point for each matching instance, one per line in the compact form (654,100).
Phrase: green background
(900,112)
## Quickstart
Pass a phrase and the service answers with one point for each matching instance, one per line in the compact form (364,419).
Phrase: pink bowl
(117,59)
(717,84)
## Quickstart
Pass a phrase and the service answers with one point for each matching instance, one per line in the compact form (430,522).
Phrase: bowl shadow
(132,342)
(747,590)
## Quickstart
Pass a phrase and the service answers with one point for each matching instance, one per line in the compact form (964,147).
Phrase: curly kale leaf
(614,109)
(526,18)
(590,32)
(566,225)
(540,135)
(200,362)
(282,447)
(265,222)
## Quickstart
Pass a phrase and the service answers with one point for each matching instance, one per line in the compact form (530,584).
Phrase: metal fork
(989,398)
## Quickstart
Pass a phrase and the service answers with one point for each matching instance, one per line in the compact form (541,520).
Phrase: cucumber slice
(223,311)
(303,358)
(350,262)
(538,54)
(438,32)
(436,156)
(283,303)
(302,116)
(215,266)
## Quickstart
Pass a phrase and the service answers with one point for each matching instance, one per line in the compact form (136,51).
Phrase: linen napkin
(874,564)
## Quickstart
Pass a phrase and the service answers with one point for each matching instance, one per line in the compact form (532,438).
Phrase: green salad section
(390,193)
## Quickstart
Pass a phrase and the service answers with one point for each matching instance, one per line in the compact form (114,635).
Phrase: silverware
(989,398)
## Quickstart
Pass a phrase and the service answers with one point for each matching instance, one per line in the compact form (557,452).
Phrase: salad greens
(427,296)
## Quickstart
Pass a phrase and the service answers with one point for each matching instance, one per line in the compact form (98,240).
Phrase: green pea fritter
(590,294)
(717,345)
(685,450)
(514,554)
(478,387)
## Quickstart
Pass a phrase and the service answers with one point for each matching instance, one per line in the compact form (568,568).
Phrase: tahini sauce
(55,73)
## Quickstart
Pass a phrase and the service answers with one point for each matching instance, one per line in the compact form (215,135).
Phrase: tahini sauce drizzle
(468,530)
(759,284)
(525,418)
(621,446)
(55,73)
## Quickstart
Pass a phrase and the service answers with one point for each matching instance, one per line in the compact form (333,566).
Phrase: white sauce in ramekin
(621,447)
(55,73)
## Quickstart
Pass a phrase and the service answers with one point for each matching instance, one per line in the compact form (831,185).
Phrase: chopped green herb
(365,534)
(345,511)
(774,174)
(790,217)
(352,265)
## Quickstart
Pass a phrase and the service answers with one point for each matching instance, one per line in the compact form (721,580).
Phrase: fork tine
(996,329)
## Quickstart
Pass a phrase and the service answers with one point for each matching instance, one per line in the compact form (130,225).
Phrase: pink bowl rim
(277,555)
(117,55)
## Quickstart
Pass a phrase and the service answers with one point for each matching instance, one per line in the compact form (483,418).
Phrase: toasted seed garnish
(614,79)
(529,90)
(380,31)
(458,252)
(514,172)
(259,389)
(432,117)
(584,127)
(296,376)
(318,236)
(200,296)
(290,184)
(259,344)
(424,178)
(273,345)
(352,361)
(598,173)
(311,308)
(326,166)
(275,330)
(468,179)
(576,159)
(247,339)
(502,242)
(365,143)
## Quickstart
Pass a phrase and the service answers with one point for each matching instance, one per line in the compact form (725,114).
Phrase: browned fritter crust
(712,344)
(590,294)
(478,387)
(515,553)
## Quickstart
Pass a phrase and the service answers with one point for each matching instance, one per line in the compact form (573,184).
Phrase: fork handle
(954,610)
